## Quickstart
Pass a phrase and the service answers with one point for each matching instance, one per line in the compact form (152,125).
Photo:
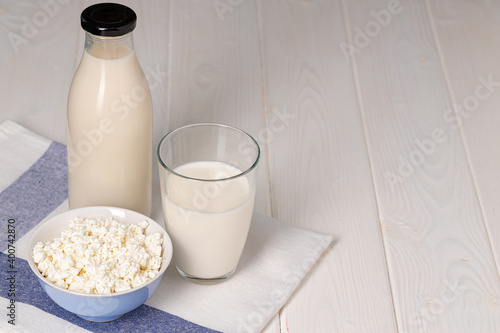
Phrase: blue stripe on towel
(28,200)
(36,193)
(143,319)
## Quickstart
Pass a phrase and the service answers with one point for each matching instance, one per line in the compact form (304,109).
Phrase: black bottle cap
(108,19)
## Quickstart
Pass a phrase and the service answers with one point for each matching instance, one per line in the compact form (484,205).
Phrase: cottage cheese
(99,256)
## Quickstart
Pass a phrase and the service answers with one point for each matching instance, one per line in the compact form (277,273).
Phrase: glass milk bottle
(109,116)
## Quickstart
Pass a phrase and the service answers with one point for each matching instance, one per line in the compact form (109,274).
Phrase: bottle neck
(109,47)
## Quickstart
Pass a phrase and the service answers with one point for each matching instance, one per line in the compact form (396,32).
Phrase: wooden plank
(440,262)
(45,43)
(468,33)
(320,172)
(40,50)
(215,76)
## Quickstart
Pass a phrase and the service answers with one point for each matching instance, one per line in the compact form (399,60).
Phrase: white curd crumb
(98,256)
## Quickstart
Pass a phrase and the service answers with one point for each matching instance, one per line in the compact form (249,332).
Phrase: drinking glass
(208,181)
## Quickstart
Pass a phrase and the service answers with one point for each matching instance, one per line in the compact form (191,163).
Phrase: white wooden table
(378,121)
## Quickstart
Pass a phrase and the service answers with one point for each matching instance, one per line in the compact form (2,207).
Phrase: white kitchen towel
(33,187)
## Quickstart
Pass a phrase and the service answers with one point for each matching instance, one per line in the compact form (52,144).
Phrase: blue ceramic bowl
(98,307)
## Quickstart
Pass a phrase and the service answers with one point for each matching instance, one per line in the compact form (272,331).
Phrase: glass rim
(242,173)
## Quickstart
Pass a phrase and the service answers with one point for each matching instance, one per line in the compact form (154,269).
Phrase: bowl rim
(69,214)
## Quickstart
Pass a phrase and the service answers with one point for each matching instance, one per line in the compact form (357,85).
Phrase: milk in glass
(208,222)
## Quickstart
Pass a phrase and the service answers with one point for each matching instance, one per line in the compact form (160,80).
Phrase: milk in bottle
(109,116)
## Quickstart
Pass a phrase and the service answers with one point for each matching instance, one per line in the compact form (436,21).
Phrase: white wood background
(378,121)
